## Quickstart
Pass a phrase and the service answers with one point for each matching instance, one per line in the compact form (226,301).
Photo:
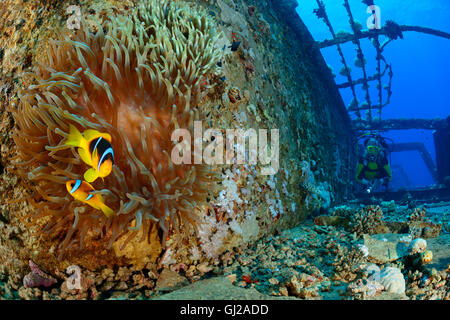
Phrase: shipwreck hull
(275,79)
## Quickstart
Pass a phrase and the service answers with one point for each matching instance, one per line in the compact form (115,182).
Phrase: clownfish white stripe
(96,144)
(76,186)
(89,196)
(109,150)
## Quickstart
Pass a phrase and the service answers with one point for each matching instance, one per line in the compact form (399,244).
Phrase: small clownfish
(95,150)
(81,191)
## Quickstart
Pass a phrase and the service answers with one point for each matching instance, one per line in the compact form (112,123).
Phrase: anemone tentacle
(136,77)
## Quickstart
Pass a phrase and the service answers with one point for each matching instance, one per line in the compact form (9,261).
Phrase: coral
(345,71)
(389,279)
(367,220)
(342,34)
(418,260)
(307,176)
(424,229)
(357,26)
(364,250)
(393,30)
(418,246)
(415,231)
(80,290)
(343,211)
(301,286)
(363,289)
(37,278)
(418,215)
(360,62)
(212,235)
(426,257)
(329,220)
(137,77)
(392,279)
(348,262)
(372,272)
(428,285)
(317,194)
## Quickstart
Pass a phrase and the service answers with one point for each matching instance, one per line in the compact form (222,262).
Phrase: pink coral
(37,278)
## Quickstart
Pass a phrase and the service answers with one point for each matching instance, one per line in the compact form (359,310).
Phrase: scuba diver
(373,167)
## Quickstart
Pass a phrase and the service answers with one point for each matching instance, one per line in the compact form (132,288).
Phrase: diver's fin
(90,175)
(75,137)
(85,156)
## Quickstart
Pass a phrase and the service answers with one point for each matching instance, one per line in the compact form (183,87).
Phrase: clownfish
(82,191)
(95,150)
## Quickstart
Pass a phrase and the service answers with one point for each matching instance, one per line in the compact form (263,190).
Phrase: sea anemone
(137,77)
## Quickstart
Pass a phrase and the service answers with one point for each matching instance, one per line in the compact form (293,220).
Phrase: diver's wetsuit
(372,170)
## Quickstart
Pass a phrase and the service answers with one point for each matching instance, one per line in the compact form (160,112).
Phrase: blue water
(421,66)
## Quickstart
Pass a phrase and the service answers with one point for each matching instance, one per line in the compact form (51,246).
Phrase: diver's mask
(372,152)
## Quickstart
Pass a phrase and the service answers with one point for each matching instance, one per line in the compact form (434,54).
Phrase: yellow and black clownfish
(82,191)
(95,150)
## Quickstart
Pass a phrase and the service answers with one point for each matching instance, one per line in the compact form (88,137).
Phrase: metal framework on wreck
(391,31)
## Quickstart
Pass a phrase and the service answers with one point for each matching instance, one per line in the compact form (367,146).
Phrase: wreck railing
(339,39)
(400,124)
(322,14)
(383,31)
(391,31)
(423,152)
